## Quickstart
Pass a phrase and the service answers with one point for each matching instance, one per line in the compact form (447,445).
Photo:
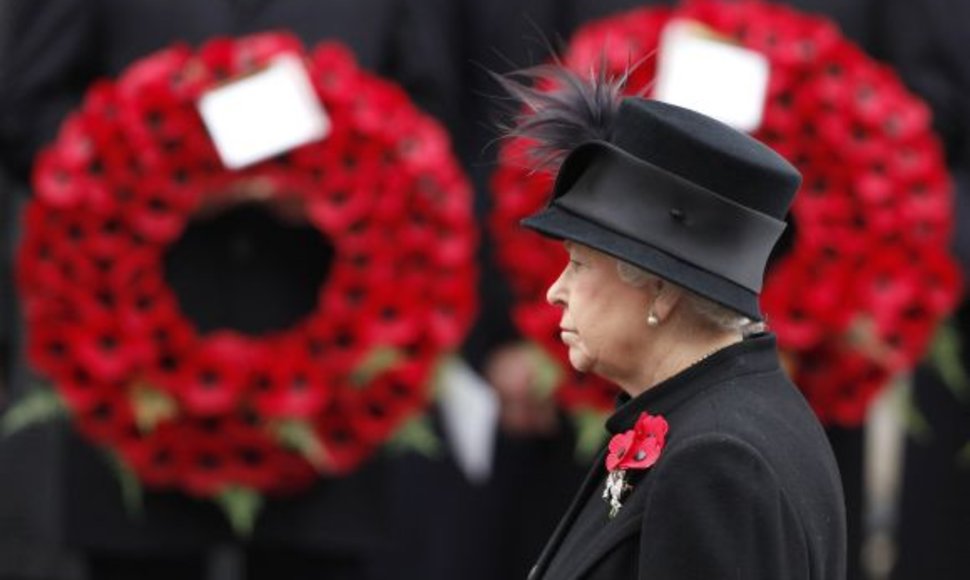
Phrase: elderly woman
(717,467)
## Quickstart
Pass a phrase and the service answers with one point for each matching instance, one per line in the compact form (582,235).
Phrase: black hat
(678,194)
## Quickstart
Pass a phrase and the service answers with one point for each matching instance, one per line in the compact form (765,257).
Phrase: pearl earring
(652,320)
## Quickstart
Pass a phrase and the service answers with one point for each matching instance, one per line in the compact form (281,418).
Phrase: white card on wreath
(699,71)
(264,114)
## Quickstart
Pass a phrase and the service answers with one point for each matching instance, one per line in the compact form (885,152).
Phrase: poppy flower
(260,49)
(107,238)
(100,347)
(378,415)
(541,320)
(156,218)
(156,457)
(60,187)
(340,436)
(335,75)
(942,283)
(291,386)
(80,389)
(253,456)
(40,266)
(217,58)
(372,103)
(839,384)
(388,320)
(452,310)
(788,313)
(345,202)
(49,347)
(105,419)
(205,463)
(640,447)
(213,377)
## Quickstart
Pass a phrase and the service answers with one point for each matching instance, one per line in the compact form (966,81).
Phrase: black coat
(746,486)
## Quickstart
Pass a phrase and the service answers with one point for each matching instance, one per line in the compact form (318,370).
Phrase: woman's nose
(555,294)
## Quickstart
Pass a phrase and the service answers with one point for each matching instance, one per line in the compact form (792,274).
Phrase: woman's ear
(666,297)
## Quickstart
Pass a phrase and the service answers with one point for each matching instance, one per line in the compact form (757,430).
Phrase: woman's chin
(579,360)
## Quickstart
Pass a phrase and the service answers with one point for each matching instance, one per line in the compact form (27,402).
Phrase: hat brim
(560,223)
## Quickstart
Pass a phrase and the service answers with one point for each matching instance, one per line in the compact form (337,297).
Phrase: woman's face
(603,318)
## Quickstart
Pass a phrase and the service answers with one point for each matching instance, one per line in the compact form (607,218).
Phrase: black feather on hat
(662,187)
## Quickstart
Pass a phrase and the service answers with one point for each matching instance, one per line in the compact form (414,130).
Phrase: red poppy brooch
(637,448)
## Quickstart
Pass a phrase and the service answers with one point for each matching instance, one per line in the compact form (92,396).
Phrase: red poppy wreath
(866,277)
(220,411)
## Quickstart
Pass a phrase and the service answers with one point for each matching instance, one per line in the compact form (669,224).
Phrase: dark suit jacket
(746,487)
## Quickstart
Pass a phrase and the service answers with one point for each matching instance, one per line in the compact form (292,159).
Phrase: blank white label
(710,76)
(264,114)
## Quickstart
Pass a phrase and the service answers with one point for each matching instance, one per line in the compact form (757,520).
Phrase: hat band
(646,203)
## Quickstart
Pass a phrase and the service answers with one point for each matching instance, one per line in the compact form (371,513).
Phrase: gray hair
(709,312)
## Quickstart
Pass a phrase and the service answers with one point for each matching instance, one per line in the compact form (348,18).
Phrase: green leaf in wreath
(132,494)
(590,433)
(436,384)
(963,456)
(417,434)
(915,423)
(241,506)
(946,356)
(38,405)
(300,437)
(151,406)
(377,362)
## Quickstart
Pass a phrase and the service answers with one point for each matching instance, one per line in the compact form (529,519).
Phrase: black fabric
(746,486)
(678,216)
(288,564)
(183,567)
(707,152)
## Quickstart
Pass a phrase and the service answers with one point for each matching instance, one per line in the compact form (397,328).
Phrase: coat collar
(755,354)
